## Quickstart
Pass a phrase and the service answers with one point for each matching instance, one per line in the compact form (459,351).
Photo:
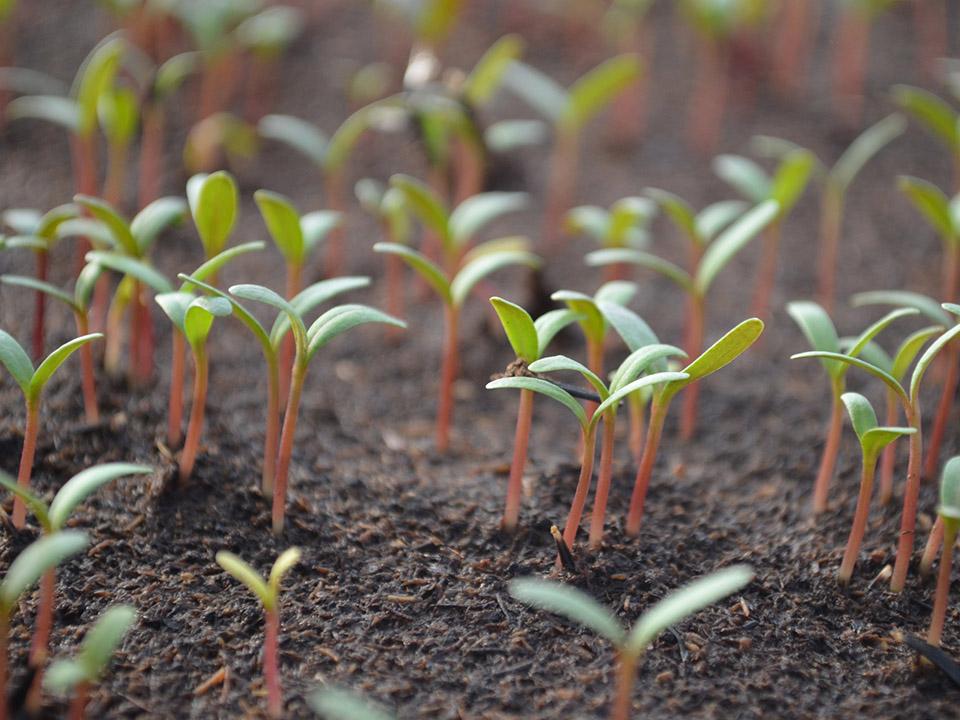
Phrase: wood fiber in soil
(402,589)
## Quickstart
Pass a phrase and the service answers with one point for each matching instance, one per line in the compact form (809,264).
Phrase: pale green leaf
(597,88)
(632,329)
(241,313)
(154,219)
(616,256)
(38,557)
(312,296)
(485,78)
(103,639)
(881,375)
(549,324)
(570,602)
(949,506)
(41,286)
(316,225)
(679,211)
(519,328)
(283,564)
(876,328)
(95,76)
(932,204)
(868,143)
(211,267)
(543,387)
(482,266)
(337,704)
(933,113)
(791,178)
(214,201)
(199,317)
(283,223)
(640,360)
(723,352)
(927,306)
(818,328)
(537,89)
(715,217)
(174,306)
(50,108)
(744,176)
(637,386)
(245,574)
(119,227)
(424,204)
(862,415)
(36,506)
(561,363)
(338,320)
(426,268)
(475,212)
(722,250)
(172,73)
(910,348)
(131,266)
(507,136)
(924,362)
(302,136)
(877,439)
(84,484)
(54,360)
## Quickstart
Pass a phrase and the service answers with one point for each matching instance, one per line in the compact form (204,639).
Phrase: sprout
(53,518)
(836,181)
(630,644)
(193,317)
(624,225)
(909,399)
(569,111)
(307,341)
(949,514)
(936,116)
(786,186)
(214,201)
(529,340)
(872,439)
(79,303)
(708,261)
(270,347)
(24,572)
(822,336)
(77,675)
(334,703)
(119,113)
(454,288)
(268,593)
(32,382)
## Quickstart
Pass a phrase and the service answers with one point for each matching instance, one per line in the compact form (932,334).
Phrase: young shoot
(79,674)
(214,204)
(193,317)
(26,569)
(820,332)
(268,593)
(948,511)
(529,340)
(32,383)
(632,644)
(909,398)
(709,260)
(624,225)
(873,439)
(307,342)
(453,289)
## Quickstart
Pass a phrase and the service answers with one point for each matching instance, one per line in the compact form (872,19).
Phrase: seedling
(24,572)
(214,201)
(836,180)
(266,35)
(79,674)
(631,645)
(32,382)
(270,347)
(873,439)
(727,349)
(796,31)
(786,186)
(336,704)
(119,112)
(268,593)
(936,116)
(38,233)
(529,340)
(822,336)
(910,401)
(624,225)
(53,519)
(194,316)
(569,111)
(79,303)
(949,514)
(714,258)
(453,289)
(626,27)
(308,341)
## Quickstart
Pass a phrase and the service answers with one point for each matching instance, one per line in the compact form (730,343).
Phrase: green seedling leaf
(594,91)
(242,314)
(745,176)
(283,223)
(270,30)
(791,178)
(131,267)
(338,320)
(519,328)
(283,564)
(119,113)
(549,324)
(679,211)
(569,602)
(316,225)
(648,381)
(245,574)
(685,602)
(312,296)
(480,266)
(94,230)
(95,77)
(50,108)
(510,135)
(54,360)
(864,420)
(933,113)
(640,360)
(910,348)
(172,73)
(543,387)
(485,78)
(714,218)
(949,508)
(48,224)
(41,286)
(154,219)
(561,363)
(614,256)
(631,328)
(722,250)
(876,328)
(213,266)
(302,136)
(199,318)
(924,362)
(927,306)
(85,483)
(819,330)
(868,143)
(104,638)
(36,506)
(537,89)
(723,352)
(38,557)
(425,267)
(932,204)
(424,204)
(475,212)
(337,704)
(882,375)
(213,202)
(23,221)
(118,227)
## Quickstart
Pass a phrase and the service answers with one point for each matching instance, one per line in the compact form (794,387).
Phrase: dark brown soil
(402,589)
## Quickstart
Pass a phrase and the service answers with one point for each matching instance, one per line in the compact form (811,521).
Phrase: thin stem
(87,380)
(448,374)
(134,371)
(932,547)
(831,220)
(943,587)
(272,433)
(603,482)
(658,413)
(271,670)
(81,696)
(851,46)
(908,520)
(40,644)
(947,393)
(595,355)
(623,700)
(889,458)
(931,23)
(706,109)
(561,186)
(859,518)
(40,306)
(521,438)
(287,349)
(588,440)
(197,408)
(767,277)
(691,396)
(334,186)
(175,411)
(286,443)
(116,173)
(828,460)
(84,149)
(26,460)
(146,345)
(469,166)
(792,46)
(151,154)
(636,406)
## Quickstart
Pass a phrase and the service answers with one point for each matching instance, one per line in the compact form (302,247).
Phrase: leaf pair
(530,339)
(872,437)
(941,212)
(267,591)
(624,224)
(699,228)
(295,236)
(786,185)
(135,238)
(32,381)
(193,316)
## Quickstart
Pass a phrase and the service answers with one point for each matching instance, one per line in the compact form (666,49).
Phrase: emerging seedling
(529,340)
(786,186)
(624,225)
(32,382)
(631,644)
(822,336)
(949,513)
(910,401)
(569,111)
(24,572)
(268,593)
(308,342)
(454,288)
(715,256)
(873,439)
(334,703)
(53,518)
(79,303)
(79,674)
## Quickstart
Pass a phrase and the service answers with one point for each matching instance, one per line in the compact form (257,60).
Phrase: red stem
(930,17)
(947,393)
(859,518)
(78,706)
(588,440)
(197,408)
(87,381)
(294,285)
(511,513)
(151,154)
(175,412)
(932,547)
(85,171)
(261,81)
(394,285)
(658,413)
(448,374)
(831,220)
(603,482)
(767,278)
(821,487)
(908,520)
(40,644)
(26,461)
(688,416)
(636,426)
(943,588)
(623,700)
(889,459)
(271,671)
(40,305)
(271,437)
(286,444)
(116,174)
(791,49)
(469,163)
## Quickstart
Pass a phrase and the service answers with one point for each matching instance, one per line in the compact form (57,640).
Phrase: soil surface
(402,591)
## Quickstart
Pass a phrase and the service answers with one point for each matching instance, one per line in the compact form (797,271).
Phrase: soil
(402,591)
